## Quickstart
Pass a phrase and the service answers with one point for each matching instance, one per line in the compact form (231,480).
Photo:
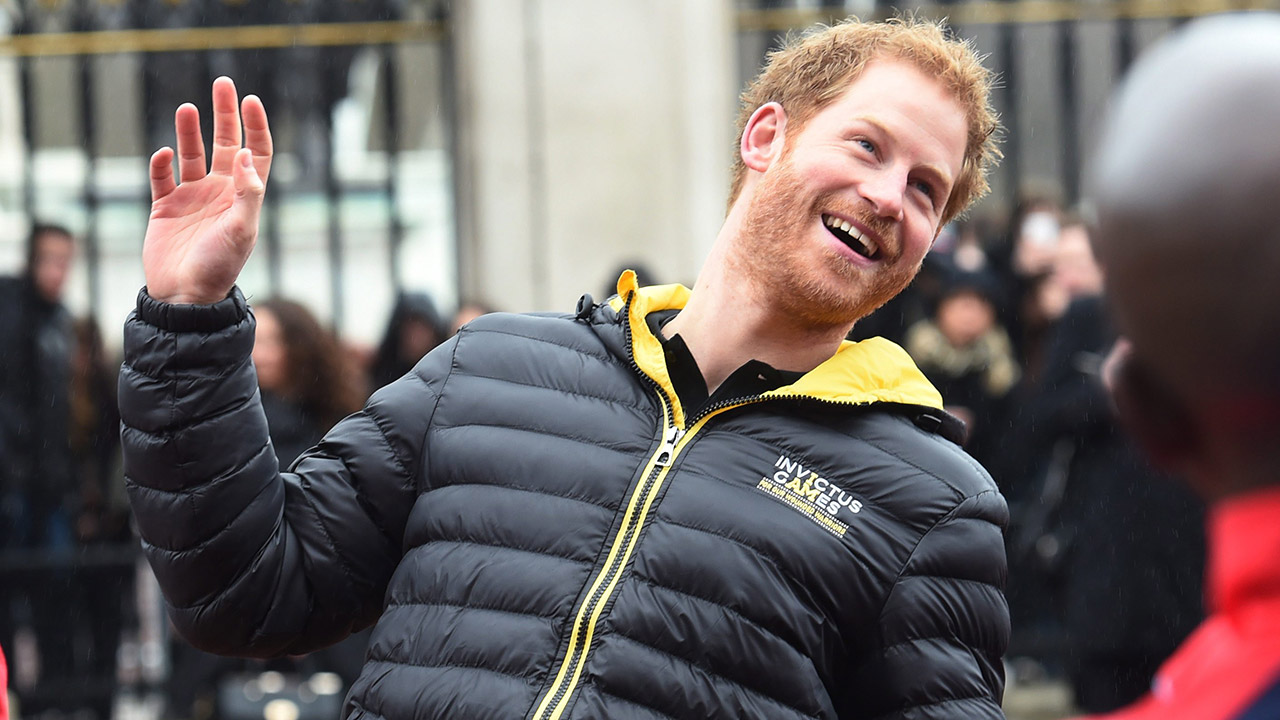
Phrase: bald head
(1186,183)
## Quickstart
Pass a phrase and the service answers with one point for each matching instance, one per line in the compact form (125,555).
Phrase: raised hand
(201,231)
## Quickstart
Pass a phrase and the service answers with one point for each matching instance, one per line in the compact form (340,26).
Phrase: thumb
(249,189)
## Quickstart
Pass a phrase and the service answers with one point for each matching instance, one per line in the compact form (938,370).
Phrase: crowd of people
(1006,318)
(1105,553)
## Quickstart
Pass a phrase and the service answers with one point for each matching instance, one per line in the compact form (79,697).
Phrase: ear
(1154,416)
(764,136)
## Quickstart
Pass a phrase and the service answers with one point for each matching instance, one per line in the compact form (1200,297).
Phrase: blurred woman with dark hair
(307,378)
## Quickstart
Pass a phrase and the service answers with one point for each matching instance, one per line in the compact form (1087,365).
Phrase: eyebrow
(938,174)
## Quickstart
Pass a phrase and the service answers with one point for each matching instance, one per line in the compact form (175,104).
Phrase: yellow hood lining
(861,373)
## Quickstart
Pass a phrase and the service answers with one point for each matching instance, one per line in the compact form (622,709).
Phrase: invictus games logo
(816,497)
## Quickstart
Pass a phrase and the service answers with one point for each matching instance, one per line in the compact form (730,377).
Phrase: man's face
(1074,266)
(965,316)
(51,264)
(840,223)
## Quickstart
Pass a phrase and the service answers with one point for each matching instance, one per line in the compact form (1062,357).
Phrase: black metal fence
(97,82)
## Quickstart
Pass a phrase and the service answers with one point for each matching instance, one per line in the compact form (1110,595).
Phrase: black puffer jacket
(546,535)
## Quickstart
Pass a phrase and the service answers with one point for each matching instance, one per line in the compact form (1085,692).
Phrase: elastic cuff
(193,318)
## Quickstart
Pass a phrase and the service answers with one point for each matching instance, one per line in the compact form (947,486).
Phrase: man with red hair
(674,504)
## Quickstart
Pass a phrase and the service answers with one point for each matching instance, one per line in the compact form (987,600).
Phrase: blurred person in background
(102,587)
(1022,258)
(1186,182)
(4,686)
(554,514)
(957,247)
(1076,274)
(1126,539)
(1035,245)
(1069,273)
(38,485)
(307,380)
(971,252)
(35,380)
(414,329)
(467,311)
(967,355)
(103,510)
(1098,537)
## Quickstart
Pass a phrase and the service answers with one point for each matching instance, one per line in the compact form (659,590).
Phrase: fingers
(226,126)
(226,139)
(257,135)
(186,122)
(162,182)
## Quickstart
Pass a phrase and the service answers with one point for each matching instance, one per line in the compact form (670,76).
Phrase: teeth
(844,226)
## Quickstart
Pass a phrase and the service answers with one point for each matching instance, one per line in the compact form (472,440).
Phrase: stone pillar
(590,134)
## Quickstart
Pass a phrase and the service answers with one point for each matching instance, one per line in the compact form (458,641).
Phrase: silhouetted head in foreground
(1186,184)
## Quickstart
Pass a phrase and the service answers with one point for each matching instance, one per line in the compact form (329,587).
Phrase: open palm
(203,225)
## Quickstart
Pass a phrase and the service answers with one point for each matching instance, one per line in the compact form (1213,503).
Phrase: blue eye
(866,145)
(925,188)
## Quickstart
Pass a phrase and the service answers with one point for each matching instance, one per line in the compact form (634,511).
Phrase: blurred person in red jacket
(1186,184)
(4,688)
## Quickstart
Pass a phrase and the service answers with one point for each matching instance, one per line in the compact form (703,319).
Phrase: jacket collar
(1244,537)
(859,373)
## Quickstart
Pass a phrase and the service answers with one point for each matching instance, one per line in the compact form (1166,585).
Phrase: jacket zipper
(555,700)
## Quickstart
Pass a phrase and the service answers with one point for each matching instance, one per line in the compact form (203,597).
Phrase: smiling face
(843,213)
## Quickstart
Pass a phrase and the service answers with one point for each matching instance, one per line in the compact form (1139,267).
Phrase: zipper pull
(667,452)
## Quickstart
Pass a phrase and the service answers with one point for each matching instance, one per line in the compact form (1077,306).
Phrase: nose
(885,190)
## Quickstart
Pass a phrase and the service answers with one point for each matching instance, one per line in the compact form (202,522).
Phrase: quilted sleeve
(945,625)
(254,561)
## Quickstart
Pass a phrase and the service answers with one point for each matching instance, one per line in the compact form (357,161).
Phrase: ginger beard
(808,279)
